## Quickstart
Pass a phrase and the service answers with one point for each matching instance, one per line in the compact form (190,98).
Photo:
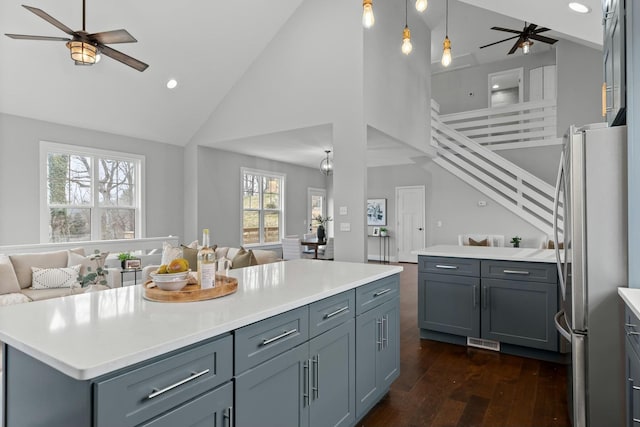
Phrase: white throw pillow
(169,253)
(50,278)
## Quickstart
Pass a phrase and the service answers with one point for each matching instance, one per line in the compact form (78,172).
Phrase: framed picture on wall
(376,231)
(377,212)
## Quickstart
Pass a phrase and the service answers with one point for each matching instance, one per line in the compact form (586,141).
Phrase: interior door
(410,217)
(316,205)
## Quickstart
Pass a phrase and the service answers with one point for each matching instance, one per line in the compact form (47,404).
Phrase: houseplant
(383,231)
(515,241)
(123,257)
(322,221)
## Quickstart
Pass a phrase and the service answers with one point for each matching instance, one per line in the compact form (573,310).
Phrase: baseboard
(371,257)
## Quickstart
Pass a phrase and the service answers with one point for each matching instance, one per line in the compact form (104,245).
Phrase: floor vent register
(486,344)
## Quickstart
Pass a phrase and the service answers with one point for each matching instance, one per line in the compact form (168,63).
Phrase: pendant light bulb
(421,5)
(526,47)
(446,52)
(406,41)
(367,14)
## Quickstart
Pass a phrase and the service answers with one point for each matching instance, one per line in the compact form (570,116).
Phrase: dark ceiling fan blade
(542,38)
(125,59)
(491,44)
(508,30)
(530,28)
(541,30)
(111,37)
(50,19)
(26,37)
(516,45)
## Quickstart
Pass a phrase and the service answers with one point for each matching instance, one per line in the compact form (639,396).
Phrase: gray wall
(451,89)
(20,176)
(219,200)
(580,80)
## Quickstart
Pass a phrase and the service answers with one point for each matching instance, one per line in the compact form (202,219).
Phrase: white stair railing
(527,124)
(516,189)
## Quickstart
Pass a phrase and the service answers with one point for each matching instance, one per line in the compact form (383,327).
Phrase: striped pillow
(50,278)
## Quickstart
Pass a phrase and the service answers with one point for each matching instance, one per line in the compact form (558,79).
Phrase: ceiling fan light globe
(82,53)
(421,5)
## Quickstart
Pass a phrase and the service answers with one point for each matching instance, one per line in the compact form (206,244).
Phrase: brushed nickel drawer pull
(522,272)
(282,335)
(193,376)
(447,267)
(635,420)
(340,310)
(635,387)
(229,416)
(382,292)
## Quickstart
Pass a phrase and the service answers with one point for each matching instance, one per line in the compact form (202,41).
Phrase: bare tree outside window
(262,207)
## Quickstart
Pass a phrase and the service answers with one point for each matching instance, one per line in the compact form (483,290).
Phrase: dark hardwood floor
(455,386)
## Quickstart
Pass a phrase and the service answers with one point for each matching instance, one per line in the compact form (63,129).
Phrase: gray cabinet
(506,301)
(614,60)
(310,384)
(377,346)
(632,368)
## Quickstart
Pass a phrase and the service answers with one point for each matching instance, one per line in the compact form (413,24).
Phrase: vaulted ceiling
(207,45)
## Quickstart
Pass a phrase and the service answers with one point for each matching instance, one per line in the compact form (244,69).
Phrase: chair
(328,250)
(291,248)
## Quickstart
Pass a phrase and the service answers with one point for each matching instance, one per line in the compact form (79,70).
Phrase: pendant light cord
(406,6)
(446,31)
(83,15)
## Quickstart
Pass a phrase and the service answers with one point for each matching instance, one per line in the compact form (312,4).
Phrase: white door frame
(311,191)
(518,71)
(424,229)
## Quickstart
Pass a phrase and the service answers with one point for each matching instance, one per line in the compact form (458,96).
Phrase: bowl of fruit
(173,276)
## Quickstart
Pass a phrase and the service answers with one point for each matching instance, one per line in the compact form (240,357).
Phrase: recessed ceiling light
(579,7)
(495,86)
(172,83)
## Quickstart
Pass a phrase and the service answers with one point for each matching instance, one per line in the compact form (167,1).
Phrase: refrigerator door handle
(556,206)
(565,332)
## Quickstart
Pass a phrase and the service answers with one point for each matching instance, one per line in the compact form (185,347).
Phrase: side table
(135,272)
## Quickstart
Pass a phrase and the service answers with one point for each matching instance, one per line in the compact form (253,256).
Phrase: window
(262,201)
(89,194)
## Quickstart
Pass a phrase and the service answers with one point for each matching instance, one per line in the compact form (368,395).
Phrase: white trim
(519,71)
(310,192)
(47,147)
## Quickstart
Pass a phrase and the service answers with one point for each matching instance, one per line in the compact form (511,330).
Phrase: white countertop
(91,334)
(631,296)
(489,252)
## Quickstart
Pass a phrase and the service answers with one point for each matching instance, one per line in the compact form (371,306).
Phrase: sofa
(240,256)
(26,277)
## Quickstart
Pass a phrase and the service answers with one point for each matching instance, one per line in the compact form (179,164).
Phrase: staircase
(466,142)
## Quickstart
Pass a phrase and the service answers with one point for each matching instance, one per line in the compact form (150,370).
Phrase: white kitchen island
(80,346)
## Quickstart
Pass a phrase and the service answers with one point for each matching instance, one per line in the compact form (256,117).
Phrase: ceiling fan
(85,47)
(525,37)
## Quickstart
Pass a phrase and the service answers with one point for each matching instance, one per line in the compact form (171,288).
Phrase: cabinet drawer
(212,408)
(143,393)
(376,293)
(449,265)
(632,328)
(263,340)
(330,312)
(522,271)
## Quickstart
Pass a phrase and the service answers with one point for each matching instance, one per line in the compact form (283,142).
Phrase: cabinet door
(368,344)
(519,312)
(274,393)
(388,361)
(633,385)
(333,377)
(214,408)
(449,304)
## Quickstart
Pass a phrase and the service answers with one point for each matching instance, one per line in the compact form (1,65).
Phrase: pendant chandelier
(406,34)
(326,165)
(446,50)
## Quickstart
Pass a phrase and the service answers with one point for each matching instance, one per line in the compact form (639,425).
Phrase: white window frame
(47,147)
(283,183)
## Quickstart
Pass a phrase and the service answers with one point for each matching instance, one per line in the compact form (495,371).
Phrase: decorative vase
(321,234)
(383,234)
(516,245)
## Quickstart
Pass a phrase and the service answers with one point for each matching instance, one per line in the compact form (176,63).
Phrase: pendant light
(421,5)
(326,165)
(367,14)
(406,34)
(446,51)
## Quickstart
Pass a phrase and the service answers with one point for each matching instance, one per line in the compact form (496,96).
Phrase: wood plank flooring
(446,385)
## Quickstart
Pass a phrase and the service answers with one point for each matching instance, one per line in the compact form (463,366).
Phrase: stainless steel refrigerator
(590,234)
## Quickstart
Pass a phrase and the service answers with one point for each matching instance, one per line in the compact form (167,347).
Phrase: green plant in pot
(383,231)
(515,241)
(123,257)
(322,222)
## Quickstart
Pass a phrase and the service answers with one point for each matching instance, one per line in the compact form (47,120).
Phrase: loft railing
(527,124)
(516,189)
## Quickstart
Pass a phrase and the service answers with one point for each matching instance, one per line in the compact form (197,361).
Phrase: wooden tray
(224,286)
